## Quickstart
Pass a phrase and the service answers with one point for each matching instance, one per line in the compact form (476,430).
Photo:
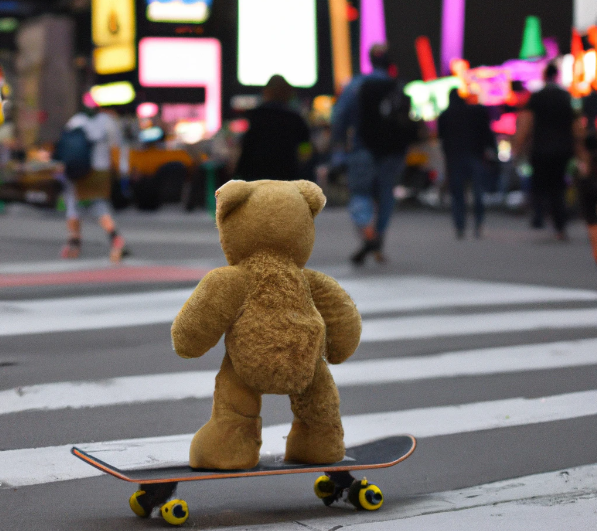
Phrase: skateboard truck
(150,496)
(362,494)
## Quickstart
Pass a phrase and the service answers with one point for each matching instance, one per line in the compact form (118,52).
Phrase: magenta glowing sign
(185,62)
(373,30)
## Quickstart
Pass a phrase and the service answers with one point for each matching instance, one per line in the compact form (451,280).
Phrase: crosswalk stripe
(44,465)
(17,320)
(415,292)
(200,384)
(400,328)
(371,296)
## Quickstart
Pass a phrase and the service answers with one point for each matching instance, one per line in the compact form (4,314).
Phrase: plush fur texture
(281,323)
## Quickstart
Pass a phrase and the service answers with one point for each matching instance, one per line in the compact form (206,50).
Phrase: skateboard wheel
(323,487)
(136,506)
(175,512)
(364,495)
(371,498)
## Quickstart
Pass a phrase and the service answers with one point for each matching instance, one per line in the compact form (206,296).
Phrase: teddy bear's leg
(316,436)
(231,439)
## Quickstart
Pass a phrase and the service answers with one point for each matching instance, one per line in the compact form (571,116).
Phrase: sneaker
(118,249)
(369,246)
(71,250)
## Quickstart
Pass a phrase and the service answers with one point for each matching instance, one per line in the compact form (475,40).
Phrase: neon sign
(277,37)
(189,11)
(113,33)
(581,76)
(373,30)
(340,43)
(185,62)
(118,93)
(430,98)
(490,84)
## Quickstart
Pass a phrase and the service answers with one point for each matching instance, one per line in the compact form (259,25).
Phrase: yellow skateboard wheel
(136,506)
(175,512)
(364,495)
(323,487)
(370,497)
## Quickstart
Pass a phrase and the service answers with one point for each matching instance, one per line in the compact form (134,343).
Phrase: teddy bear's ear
(313,194)
(230,196)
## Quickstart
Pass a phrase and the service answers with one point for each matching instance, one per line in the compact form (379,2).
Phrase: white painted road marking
(407,293)
(44,465)
(565,500)
(370,295)
(400,328)
(200,384)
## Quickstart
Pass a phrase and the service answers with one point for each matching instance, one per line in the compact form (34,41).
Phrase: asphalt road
(485,350)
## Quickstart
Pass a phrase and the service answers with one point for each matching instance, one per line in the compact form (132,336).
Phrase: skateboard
(158,485)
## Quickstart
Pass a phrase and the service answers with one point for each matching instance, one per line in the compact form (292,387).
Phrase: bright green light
(277,37)
(430,98)
(118,93)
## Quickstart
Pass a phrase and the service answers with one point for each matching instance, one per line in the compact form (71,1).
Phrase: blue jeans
(461,169)
(371,184)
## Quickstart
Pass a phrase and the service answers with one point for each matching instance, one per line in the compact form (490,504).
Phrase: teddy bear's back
(278,335)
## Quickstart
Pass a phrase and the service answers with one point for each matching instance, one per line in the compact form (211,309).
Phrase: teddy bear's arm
(342,320)
(208,312)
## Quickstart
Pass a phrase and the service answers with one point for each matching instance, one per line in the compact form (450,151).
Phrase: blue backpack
(74,150)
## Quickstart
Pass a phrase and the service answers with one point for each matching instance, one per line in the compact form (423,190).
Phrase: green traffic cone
(532,44)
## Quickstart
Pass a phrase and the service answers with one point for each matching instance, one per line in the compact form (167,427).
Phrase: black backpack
(74,150)
(385,125)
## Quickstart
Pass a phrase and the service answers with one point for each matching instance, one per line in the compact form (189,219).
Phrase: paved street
(484,350)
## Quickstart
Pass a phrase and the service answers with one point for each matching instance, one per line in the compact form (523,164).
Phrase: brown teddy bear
(281,322)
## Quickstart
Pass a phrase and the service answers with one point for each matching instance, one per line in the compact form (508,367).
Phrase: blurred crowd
(547,167)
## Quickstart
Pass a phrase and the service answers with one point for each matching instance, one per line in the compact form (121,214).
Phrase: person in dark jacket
(547,125)
(466,137)
(278,139)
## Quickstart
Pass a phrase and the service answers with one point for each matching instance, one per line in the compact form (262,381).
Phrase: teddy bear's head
(275,216)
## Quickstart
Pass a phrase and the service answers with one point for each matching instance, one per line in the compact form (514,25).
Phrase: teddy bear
(282,324)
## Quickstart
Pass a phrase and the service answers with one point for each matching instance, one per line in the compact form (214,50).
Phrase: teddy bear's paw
(227,445)
(315,444)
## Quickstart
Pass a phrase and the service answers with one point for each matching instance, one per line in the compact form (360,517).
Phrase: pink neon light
(373,30)
(505,125)
(185,62)
(452,33)
(147,110)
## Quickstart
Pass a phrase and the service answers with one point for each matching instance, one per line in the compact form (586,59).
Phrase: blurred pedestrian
(467,143)
(370,134)
(85,149)
(277,142)
(546,125)
(587,184)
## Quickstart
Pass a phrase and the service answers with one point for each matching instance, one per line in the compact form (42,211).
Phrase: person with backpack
(371,132)
(84,148)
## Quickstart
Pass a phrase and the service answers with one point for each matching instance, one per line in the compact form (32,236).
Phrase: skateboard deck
(157,485)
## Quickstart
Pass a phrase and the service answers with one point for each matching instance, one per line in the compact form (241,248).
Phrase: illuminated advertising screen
(112,22)
(185,62)
(177,11)
(277,37)
(114,59)
(113,31)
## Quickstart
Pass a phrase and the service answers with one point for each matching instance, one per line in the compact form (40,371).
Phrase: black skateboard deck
(157,485)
